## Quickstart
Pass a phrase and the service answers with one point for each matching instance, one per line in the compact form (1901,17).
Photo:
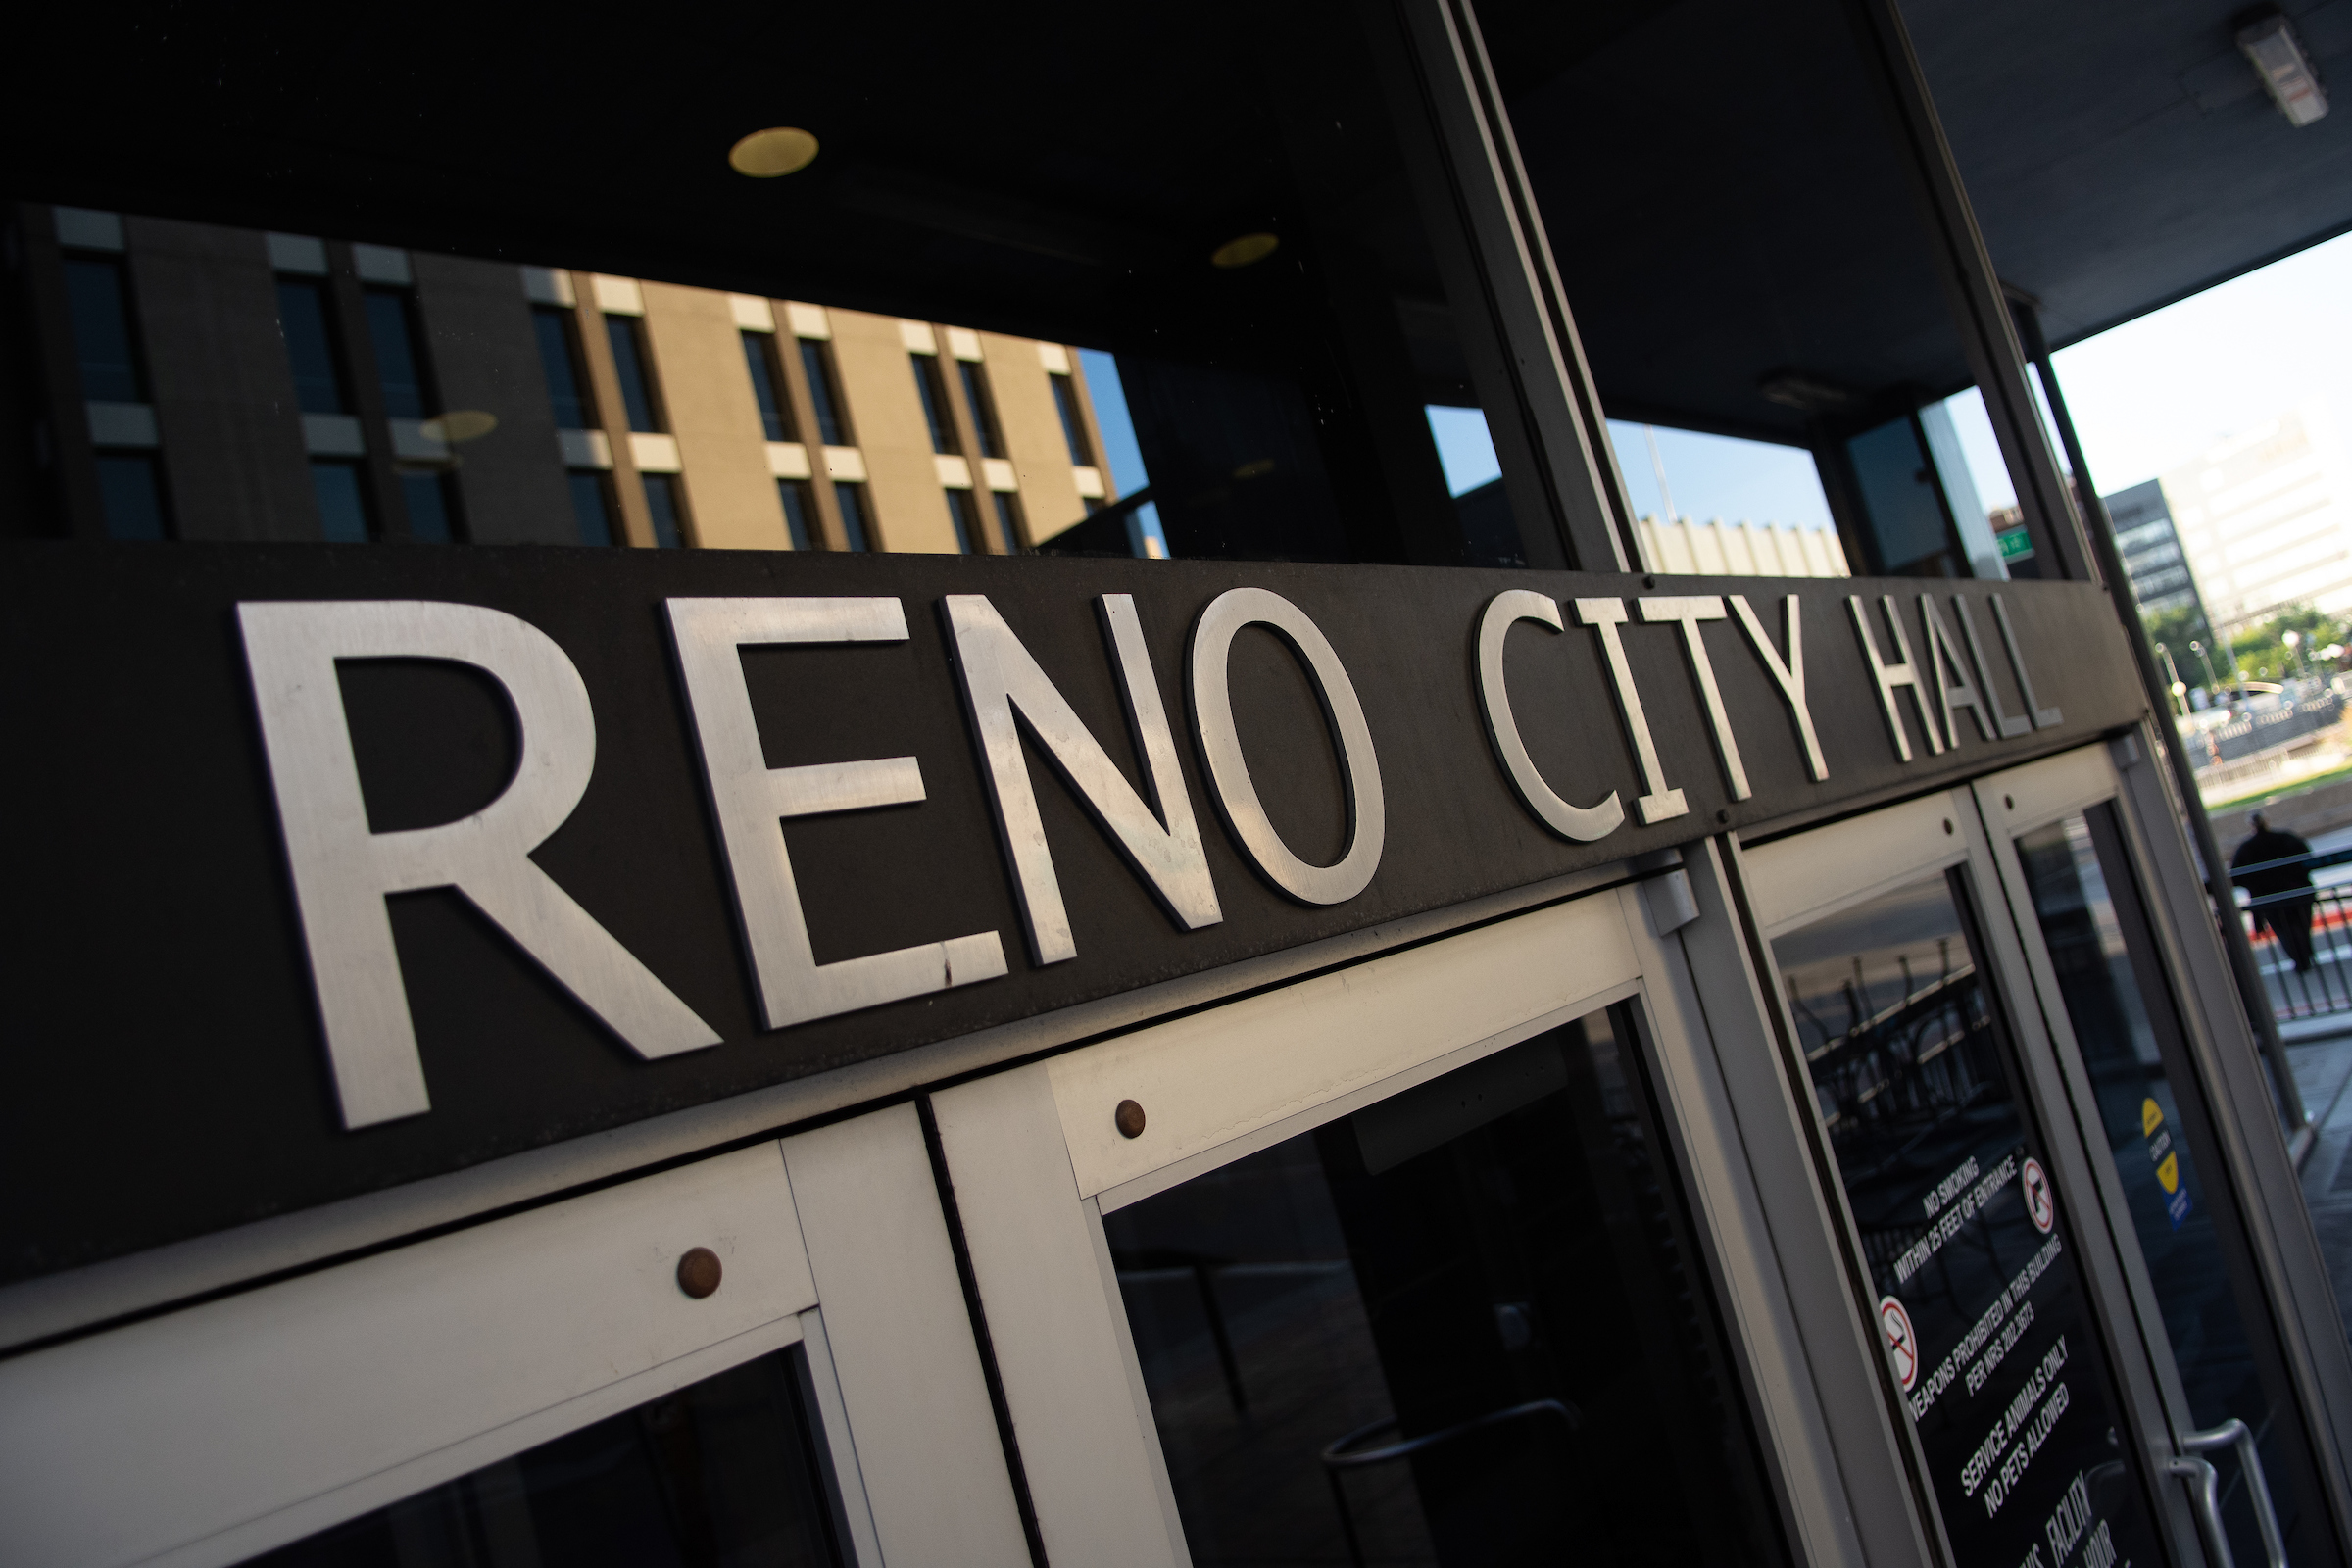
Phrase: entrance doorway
(1462,1325)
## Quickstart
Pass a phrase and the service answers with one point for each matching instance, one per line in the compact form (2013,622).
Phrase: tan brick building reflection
(238,385)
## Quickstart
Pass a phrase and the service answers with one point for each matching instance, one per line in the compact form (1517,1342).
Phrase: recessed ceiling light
(2285,70)
(1809,394)
(1243,249)
(459,425)
(777,149)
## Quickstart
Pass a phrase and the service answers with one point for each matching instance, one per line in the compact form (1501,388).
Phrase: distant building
(2151,548)
(2264,519)
(1742,550)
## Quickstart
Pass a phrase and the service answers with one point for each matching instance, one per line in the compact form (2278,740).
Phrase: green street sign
(2015,544)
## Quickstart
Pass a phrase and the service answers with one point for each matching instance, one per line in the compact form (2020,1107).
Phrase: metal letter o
(1229,771)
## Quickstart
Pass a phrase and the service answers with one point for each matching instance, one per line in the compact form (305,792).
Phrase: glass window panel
(131,492)
(854,519)
(1980,1307)
(1073,422)
(632,368)
(667,508)
(775,416)
(432,519)
(1008,517)
(933,390)
(592,507)
(392,331)
(722,1473)
(97,298)
(1756,262)
(1231,292)
(984,411)
(964,512)
(560,363)
(301,316)
(1907,528)
(342,503)
(1461,1326)
(824,396)
(2175,1215)
(799,508)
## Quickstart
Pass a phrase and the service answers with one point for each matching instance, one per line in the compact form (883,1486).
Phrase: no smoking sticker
(2040,1203)
(1902,1344)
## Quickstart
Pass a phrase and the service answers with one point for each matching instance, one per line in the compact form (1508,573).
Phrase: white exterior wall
(2265,518)
(1741,550)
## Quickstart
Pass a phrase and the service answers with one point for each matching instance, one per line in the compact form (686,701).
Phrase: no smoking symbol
(2040,1203)
(1902,1344)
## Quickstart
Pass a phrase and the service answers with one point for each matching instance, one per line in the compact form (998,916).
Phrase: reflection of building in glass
(2151,548)
(1742,550)
(2263,520)
(240,385)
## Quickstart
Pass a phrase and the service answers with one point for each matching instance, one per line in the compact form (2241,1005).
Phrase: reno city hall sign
(536,843)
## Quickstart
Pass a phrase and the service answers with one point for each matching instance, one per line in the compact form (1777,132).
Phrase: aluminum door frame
(2257,1168)
(222,1430)
(1793,881)
(1035,1161)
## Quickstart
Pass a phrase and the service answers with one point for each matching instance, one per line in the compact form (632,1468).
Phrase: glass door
(726,1470)
(1443,1256)
(1462,1325)
(1972,1242)
(2117,1023)
(760,1358)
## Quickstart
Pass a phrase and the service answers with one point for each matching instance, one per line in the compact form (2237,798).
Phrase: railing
(2280,923)
(2254,732)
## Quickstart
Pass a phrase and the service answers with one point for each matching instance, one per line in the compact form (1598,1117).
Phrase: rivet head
(699,1271)
(2010,800)
(1129,1118)
(1947,824)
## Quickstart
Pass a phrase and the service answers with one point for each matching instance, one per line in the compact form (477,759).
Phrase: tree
(2261,646)
(2176,630)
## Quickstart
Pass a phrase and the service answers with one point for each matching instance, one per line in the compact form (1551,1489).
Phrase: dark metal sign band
(536,843)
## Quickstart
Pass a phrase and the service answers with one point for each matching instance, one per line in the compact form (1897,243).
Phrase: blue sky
(1119,448)
(2146,397)
(1709,476)
(2154,393)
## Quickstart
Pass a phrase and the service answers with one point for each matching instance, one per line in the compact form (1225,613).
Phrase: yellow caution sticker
(2151,1117)
(2168,1173)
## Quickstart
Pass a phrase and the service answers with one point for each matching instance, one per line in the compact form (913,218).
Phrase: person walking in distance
(2282,893)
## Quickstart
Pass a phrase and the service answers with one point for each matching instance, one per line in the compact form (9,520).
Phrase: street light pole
(2172,676)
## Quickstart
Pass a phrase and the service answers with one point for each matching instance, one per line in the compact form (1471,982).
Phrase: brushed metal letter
(342,871)
(999,677)
(2044,718)
(1790,675)
(1229,770)
(1687,612)
(752,800)
(1605,615)
(1581,824)
(2009,724)
(1953,689)
(1890,677)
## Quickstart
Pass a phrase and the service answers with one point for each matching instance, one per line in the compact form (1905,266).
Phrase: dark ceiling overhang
(1721,180)
(2124,156)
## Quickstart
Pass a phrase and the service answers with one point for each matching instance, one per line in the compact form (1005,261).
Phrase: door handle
(2207,1483)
